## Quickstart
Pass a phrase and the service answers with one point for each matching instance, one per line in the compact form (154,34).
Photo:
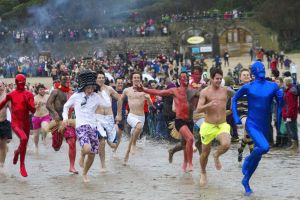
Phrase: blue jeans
(292,129)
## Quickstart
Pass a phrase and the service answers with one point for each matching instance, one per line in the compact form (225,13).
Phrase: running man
(184,114)
(213,101)
(121,124)
(5,127)
(22,104)
(260,94)
(55,105)
(136,116)
(85,103)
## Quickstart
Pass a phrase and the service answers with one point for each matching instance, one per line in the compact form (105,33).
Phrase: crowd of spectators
(160,72)
(156,26)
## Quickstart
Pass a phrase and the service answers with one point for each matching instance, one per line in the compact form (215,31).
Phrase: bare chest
(135,96)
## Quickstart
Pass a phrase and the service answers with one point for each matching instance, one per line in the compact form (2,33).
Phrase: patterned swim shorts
(87,135)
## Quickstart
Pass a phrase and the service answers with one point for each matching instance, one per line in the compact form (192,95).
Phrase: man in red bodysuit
(22,102)
(184,114)
(198,85)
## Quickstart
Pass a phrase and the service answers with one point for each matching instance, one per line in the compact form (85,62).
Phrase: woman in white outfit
(106,125)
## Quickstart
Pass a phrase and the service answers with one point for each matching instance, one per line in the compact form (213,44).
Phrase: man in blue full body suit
(260,93)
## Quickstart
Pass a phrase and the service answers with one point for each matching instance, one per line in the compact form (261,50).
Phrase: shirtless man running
(5,127)
(213,101)
(184,114)
(55,105)
(106,125)
(41,117)
(136,116)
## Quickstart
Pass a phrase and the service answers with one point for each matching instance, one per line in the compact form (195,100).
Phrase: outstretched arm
(167,92)
(279,99)
(242,91)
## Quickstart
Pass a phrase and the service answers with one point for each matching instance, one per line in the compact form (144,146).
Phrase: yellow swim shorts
(208,131)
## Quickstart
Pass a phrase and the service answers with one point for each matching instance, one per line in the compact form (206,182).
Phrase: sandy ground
(148,176)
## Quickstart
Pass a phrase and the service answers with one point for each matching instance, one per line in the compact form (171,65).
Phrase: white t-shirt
(85,109)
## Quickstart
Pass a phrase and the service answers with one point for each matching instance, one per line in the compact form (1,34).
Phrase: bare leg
(36,140)
(128,151)
(173,150)
(224,139)
(81,159)
(135,135)
(88,163)
(3,151)
(102,155)
(112,145)
(188,150)
(72,154)
(86,150)
(44,129)
(203,163)
(119,132)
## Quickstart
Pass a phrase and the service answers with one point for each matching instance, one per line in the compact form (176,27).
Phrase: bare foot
(85,179)
(103,169)
(73,170)
(184,166)
(203,179)
(126,159)
(133,150)
(218,164)
(189,168)
(36,150)
(81,161)
(2,171)
(115,154)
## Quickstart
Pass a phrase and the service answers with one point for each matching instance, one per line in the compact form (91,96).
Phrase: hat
(86,78)
(171,85)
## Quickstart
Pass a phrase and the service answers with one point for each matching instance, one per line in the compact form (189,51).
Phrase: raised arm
(50,105)
(242,91)
(167,92)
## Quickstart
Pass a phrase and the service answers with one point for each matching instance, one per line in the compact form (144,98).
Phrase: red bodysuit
(22,102)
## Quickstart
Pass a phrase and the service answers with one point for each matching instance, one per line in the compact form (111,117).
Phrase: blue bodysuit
(260,94)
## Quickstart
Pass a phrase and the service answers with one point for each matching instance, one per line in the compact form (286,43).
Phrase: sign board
(206,49)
